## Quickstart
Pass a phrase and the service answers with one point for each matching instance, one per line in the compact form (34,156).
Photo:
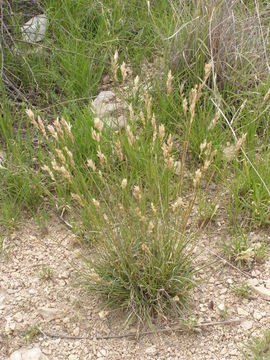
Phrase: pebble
(48,313)
(151,350)
(247,325)
(262,291)
(242,312)
(221,307)
(28,354)
(267,284)
(76,332)
(257,315)
(101,353)
(253,282)
(18,317)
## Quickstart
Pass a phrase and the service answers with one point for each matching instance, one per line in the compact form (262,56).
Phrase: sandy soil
(57,306)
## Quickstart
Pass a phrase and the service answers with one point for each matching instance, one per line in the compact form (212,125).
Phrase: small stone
(253,282)
(221,307)
(18,317)
(66,320)
(34,29)
(49,314)
(72,357)
(262,291)
(267,284)
(101,353)
(103,314)
(151,350)
(223,291)
(230,281)
(28,354)
(242,312)
(247,325)
(76,332)
(257,315)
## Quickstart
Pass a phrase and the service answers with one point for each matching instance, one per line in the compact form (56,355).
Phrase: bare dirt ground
(37,287)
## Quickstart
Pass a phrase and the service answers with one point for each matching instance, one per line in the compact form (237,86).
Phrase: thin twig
(144,333)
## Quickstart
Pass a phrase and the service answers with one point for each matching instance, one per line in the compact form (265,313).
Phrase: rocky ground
(37,290)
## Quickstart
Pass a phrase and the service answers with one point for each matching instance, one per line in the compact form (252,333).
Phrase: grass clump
(135,198)
(244,252)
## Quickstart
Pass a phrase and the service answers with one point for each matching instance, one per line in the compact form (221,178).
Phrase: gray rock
(247,325)
(34,29)
(49,314)
(262,291)
(28,354)
(110,110)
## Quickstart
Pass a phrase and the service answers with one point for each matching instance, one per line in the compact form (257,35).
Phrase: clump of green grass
(46,273)
(242,251)
(135,200)
(242,291)
(258,348)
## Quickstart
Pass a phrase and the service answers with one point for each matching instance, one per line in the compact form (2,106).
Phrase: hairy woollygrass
(135,196)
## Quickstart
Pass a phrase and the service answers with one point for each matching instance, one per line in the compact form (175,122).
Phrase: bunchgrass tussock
(135,195)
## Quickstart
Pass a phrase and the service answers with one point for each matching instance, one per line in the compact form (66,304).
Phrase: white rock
(257,315)
(49,314)
(34,29)
(28,354)
(267,284)
(253,282)
(18,317)
(101,353)
(221,307)
(242,312)
(72,357)
(76,331)
(247,325)
(151,350)
(262,291)
(103,314)
(109,109)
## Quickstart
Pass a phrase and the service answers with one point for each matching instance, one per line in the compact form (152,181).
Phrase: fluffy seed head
(124,184)
(169,83)
(96,203)
(42,127)
(91,164)
(185,106)
(77,198)
(161,131)
(176,205)
(102,157)
(137,193)
(95,135)
(67,128)
(197,178)
(123,69)
(119,151)
(98,124)
(136,85)
(153,208)
(31,116)
(48,170)
(52,131)
(150,227)
(59,128)
(61,156)
(70,156)
(130,136)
